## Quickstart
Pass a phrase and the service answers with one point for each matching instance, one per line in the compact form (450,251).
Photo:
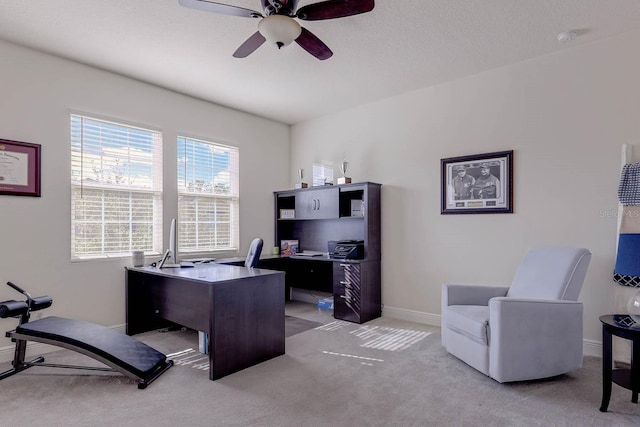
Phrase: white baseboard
(589,347)
(411,316)
(35,349)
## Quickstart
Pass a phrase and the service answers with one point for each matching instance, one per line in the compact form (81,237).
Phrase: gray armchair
(530,330)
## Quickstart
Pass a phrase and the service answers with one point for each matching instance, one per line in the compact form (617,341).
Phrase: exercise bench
(119,351)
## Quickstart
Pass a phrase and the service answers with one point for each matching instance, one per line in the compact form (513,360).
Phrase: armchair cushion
(551,273)
(472,321)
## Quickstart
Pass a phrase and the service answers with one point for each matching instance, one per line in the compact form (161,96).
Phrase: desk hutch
(333,213)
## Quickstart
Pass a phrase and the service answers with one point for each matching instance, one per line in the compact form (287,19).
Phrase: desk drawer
(347,291)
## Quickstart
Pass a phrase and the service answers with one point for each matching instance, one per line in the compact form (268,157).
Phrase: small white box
(357,208)
(287,213)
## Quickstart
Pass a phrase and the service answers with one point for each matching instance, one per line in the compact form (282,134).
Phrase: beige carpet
(295,325)
(384,373)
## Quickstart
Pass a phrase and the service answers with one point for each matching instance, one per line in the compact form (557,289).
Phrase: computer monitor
(170,258)
(173,241)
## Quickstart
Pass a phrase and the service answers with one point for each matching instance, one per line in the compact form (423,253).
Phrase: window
(322,173)
(116,188)
(208,192)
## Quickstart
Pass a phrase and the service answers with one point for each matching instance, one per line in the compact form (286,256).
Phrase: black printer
(346,249)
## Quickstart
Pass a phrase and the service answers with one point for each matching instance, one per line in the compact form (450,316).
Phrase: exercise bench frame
(120,352)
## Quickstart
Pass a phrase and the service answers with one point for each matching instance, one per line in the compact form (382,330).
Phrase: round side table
(623,326)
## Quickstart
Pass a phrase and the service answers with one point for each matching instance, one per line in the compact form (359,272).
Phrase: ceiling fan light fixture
(279,30)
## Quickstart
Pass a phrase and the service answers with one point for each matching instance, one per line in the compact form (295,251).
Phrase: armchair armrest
(532,338)
(454,294)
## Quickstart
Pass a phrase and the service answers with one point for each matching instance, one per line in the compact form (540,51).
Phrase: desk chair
(254,253)
(530,330)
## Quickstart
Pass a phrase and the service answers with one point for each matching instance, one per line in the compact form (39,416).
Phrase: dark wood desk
(242,310)
(355,284)
(311,273)
(615,324)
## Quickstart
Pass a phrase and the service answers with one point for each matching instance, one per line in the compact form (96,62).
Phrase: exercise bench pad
(120,349)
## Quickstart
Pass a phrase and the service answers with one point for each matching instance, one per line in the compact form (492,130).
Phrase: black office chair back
(254,253)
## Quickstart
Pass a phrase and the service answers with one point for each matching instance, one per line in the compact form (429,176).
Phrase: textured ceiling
(398,47)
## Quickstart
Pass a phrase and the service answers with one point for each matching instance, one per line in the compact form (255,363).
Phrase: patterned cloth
(624,280)
(627,269)
(629,188)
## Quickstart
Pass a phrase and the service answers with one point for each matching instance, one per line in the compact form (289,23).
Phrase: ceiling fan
(277,25)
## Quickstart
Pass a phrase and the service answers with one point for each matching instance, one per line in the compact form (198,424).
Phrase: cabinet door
(317,204)
(347,292)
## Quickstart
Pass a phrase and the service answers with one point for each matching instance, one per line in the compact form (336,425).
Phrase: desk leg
(635,370)
(606,368)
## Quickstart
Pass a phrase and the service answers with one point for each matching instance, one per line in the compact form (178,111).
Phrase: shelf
(348,218)
(622,377)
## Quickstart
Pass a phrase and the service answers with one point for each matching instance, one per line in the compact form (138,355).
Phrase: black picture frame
(19,168)
(475,191)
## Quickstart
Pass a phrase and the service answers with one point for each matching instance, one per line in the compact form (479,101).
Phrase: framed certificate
(19,168)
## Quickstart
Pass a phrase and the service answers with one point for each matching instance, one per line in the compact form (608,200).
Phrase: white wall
(566,116)
(37,91)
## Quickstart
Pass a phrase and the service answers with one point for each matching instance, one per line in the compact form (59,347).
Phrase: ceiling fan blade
(225,9)
(313,45)
(334,9)
(251,44)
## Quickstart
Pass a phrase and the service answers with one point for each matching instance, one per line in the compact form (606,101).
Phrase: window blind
(208,196)
(322,173)
(116,188)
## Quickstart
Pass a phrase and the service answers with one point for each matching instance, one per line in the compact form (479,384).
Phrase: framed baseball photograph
(479,183)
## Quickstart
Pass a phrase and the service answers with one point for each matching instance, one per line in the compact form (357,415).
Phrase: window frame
(184,191)
(80,183)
